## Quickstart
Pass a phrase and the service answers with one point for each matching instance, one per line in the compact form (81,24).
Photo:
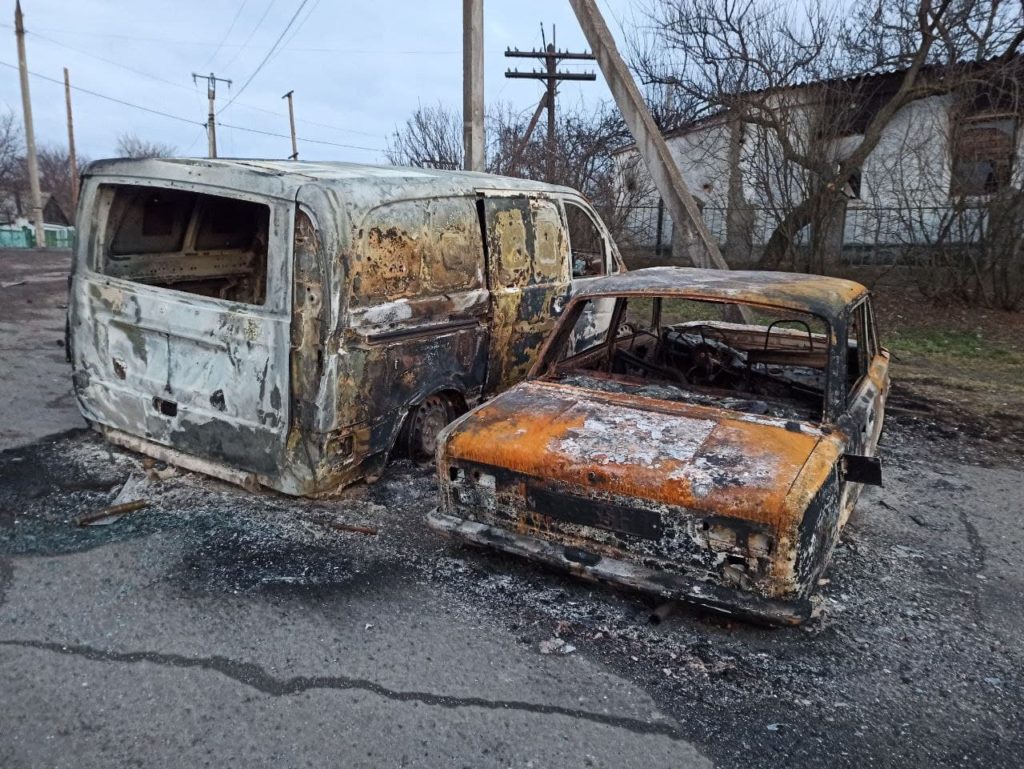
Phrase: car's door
(592,256)
(867,374)
(200,374)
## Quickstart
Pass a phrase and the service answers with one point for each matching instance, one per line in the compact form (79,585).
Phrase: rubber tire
(424,422)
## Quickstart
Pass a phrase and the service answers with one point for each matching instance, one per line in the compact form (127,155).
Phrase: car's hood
(697,457)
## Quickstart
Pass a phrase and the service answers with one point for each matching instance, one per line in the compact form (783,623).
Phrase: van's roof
(281,177)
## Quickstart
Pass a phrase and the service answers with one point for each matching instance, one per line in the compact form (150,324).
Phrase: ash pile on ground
(913,659)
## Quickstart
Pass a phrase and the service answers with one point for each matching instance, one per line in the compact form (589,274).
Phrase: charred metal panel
(529,278)
(612,476)
(389,303)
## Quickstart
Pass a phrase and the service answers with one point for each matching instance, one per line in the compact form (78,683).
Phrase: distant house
(16,210)
(950,147)
(17,227)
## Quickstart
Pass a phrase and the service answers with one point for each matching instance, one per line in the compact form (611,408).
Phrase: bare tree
(129,145)
(431,137)
(55,175)
(799,84)
(11,149)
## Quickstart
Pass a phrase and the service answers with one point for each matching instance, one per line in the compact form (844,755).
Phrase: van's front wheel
(425,421)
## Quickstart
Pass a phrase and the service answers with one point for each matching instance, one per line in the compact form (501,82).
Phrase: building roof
(816,294)
(877,80)
(13,206)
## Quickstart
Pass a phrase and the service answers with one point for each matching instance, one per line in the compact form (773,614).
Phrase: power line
(298,29)
(107,61)
(268,55)
(214,43)
(231,28)
(307,121)
(108,98)
(158,79)
(301,139)
(252,32)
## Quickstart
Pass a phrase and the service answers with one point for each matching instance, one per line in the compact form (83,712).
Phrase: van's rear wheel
(425,422)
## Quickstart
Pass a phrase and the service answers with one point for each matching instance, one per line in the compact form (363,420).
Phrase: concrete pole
(701,247)
(291,122)
(72,160)
(473,84)
(211,121)
(30,137)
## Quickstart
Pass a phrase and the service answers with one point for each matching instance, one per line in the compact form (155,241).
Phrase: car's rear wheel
(425,422)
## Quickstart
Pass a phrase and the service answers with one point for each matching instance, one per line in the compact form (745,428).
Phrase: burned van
(288,324)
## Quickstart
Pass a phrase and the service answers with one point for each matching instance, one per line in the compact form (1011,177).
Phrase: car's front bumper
(675,587)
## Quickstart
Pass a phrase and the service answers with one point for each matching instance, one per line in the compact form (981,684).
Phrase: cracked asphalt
(221,628)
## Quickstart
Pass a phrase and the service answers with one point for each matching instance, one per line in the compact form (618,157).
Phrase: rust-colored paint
(698,494)
(534,433)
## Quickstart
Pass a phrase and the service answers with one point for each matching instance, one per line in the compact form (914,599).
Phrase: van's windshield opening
(187,241)
(676,349)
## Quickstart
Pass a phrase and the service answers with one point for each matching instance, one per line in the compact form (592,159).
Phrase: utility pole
(517,155)
(703,250)
(30,137)
(551,57)
(211,94)
(72,160)
(291,121)
(473,84)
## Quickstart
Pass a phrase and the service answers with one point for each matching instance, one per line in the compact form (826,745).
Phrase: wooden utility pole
(211,95)
(702,249)
(518,154)
(291,122)
(72,160)
(30,137)
(473,84)
(551,56)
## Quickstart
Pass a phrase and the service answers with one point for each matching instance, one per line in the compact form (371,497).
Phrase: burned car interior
(687,350)
(201,244)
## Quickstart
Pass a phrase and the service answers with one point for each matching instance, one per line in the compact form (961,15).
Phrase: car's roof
(816,294)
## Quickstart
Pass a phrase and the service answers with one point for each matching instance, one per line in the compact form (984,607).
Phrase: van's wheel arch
(425,420)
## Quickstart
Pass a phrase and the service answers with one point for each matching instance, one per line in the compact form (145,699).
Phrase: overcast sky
(358,69)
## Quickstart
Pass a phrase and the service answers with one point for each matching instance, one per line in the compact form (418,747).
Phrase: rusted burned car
(286,323)
(705,441)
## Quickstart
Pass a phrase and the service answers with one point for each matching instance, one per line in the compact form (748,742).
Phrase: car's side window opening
(201,244)
(685,350)
(586,241)
(860,346)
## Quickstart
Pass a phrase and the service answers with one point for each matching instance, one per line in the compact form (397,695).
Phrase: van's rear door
(528,274)
(182,338)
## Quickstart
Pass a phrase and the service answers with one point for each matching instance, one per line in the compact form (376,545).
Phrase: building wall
(904,189)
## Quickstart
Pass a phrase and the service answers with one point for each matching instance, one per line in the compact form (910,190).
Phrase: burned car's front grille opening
(202,244)
(770,362)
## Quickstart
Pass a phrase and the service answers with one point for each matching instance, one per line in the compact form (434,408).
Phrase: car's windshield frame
(550,367)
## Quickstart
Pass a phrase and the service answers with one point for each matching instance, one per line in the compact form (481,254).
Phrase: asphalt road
(220,628)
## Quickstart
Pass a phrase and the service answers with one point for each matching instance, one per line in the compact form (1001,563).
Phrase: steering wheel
(638,362)
(708,362)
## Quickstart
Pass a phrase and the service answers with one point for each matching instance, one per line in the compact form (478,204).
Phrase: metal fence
(864,234)
(25,237)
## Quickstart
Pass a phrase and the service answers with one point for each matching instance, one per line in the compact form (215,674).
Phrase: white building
(938,153)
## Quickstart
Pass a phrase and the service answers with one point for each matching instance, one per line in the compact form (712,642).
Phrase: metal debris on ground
(109,514)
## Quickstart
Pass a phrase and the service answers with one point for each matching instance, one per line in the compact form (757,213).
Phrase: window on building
(983,154)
